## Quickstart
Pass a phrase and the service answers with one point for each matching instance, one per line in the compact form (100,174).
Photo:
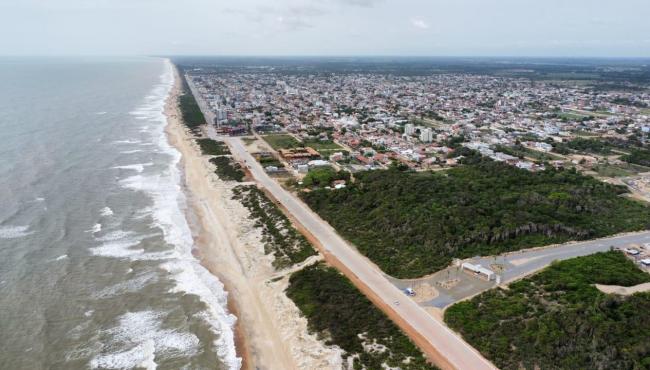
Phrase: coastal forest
(340,314)
(190,110)
(414,223)
(557,319)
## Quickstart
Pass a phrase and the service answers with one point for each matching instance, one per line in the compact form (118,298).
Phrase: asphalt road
(525,262)
(449,345)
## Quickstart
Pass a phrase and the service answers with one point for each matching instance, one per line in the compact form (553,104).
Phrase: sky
(573,28)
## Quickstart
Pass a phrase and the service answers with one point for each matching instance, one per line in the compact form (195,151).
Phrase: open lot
(281,141)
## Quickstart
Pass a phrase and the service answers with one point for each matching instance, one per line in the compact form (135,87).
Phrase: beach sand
(270,333)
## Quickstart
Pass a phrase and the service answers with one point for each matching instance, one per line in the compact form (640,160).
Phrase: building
(409,129)
(299,153)
(426,135)
(478,270)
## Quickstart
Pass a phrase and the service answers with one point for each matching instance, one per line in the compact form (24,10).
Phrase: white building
(426,135)
(409,129)
(478,270)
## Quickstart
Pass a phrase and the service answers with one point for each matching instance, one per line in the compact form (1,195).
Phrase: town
(364,121)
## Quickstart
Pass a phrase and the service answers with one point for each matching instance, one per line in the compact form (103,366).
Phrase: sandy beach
(271,333)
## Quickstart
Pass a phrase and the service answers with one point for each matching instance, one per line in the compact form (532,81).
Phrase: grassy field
(341,315)
(557,319)
(323,146)
(282,141)
(414,224)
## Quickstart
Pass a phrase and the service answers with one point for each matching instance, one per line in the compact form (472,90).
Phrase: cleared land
(558,319)
(341,315)
(283,141)
(413,224)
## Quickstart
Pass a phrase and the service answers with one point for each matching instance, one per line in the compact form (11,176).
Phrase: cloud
(419,23)
(362,3)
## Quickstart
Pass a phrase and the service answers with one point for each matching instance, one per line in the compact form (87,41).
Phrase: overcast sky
(617,28)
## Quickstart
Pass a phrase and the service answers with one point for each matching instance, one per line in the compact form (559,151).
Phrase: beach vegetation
(227,169)
(212,147)
(279,236)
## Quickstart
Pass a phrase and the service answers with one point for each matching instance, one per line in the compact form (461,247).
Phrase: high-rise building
(409,129)
(426,135)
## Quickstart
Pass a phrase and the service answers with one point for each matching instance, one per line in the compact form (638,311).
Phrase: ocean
(96,264)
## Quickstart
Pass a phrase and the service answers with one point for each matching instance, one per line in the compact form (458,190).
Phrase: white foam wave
(120,244)
(97,228)
(101,113)
(132,151)
(139,167)
(106,211)
(127,142)
(13,232)
(167,212)
(61,257)
(142,337)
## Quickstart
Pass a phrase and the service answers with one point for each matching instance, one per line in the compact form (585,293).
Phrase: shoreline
(270,332)
(172,116)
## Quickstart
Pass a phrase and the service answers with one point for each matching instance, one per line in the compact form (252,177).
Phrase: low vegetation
(212,147)
(280,238)
(341,315)
(324,176)
(412,224)
(557,319)
(638,156)
(593,146)
(227,169)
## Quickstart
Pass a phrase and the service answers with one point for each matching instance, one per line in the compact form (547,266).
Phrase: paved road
(450,346)
(519,264)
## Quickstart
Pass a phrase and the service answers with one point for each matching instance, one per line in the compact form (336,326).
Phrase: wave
(139,167)
(106,211)
(13,232)
(141,337)
(169,201)
(132,151)
(127,142)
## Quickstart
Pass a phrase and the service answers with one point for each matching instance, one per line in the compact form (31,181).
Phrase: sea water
(96,264)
